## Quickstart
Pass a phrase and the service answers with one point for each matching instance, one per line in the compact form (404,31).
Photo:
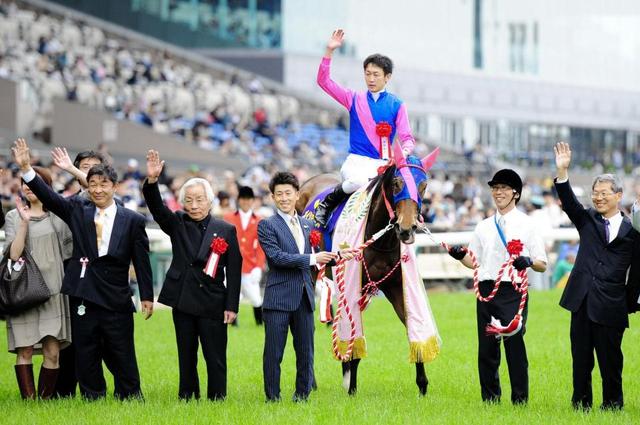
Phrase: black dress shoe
(300,398)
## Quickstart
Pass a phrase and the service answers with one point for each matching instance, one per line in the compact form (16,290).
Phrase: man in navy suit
(596,293)
(289,295)
(107,238)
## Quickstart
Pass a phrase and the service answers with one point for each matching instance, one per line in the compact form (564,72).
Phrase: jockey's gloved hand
(522,263)
(458,252)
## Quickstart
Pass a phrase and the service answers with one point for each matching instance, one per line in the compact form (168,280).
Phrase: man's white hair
(193,182)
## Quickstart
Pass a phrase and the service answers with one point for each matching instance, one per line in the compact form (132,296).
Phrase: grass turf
(386,389)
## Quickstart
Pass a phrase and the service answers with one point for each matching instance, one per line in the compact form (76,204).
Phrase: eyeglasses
(601,195)
(500,188)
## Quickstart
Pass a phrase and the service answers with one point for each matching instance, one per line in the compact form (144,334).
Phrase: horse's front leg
(421,379)
(350,376)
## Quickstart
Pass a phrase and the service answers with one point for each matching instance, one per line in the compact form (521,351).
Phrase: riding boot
(47,382)
(332,200)
(257,314)
(24,376)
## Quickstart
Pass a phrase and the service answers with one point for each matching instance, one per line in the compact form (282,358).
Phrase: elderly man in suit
(253,261)
(107,238)
(205,251)
(596,293)
(289,295)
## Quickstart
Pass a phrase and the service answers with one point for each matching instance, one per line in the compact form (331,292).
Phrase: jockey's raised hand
(335,42)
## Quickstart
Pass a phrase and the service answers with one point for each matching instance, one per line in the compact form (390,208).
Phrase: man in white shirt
(489,243)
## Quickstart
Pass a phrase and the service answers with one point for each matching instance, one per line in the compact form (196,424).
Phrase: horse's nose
(414,227)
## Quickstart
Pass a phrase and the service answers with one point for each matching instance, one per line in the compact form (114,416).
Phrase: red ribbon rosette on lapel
(383,130)
(218,247)
(314,238)
(514,247)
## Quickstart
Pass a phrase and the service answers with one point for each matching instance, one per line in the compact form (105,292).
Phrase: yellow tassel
(424,351)
(359,348)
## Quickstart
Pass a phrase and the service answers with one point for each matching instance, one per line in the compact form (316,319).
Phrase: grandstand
(59,56)
(79,81)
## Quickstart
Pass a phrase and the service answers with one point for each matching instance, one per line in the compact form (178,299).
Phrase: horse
(394,201)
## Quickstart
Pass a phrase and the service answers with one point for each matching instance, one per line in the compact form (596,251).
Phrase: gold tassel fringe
(359,348)
(424,351)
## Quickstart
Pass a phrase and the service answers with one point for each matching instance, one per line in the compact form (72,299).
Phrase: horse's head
(408,185)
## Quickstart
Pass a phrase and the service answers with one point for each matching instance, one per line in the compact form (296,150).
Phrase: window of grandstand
(194,23)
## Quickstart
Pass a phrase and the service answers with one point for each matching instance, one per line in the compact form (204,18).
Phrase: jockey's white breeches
(357,170)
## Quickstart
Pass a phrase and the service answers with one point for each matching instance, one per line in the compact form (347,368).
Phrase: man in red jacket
(253,260)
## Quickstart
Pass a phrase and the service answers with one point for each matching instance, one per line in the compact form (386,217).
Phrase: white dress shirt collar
(245,217)
(376,95)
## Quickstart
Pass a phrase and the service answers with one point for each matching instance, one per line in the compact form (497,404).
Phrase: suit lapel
(599,226)
(625,227)
(205,245)
(117,230)
(90,224)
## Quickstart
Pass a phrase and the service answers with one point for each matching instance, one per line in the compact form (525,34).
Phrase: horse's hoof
(353,391)
(422,387)
(346,380)
(423,391)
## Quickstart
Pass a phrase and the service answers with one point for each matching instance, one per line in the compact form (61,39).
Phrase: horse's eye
(398,184)
(422,187)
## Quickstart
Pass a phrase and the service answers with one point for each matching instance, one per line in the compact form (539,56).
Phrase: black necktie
(606,229)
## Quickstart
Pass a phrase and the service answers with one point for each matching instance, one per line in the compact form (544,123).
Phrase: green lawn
(387,393)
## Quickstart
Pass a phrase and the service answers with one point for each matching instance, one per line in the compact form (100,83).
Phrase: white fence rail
(434,264)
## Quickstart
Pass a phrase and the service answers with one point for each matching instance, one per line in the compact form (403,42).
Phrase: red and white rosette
(383,130)
(322,282)
(218,247)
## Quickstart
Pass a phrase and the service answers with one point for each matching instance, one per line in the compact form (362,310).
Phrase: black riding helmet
(510,178)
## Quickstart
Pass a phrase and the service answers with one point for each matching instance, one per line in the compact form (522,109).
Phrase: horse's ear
(429,160)
(398,155)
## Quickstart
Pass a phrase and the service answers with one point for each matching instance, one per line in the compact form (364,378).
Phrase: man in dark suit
(202,305)
(596,293)
(79,167)
(107,238)
(289,295)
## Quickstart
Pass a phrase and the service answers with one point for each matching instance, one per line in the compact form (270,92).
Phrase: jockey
(367,150)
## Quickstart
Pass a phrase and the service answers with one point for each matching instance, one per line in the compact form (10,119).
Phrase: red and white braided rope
(342,299)
(523,288)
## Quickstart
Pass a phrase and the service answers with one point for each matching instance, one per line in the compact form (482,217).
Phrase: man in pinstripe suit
(289,295)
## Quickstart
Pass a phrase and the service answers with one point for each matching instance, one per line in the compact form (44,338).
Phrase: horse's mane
(383,178)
